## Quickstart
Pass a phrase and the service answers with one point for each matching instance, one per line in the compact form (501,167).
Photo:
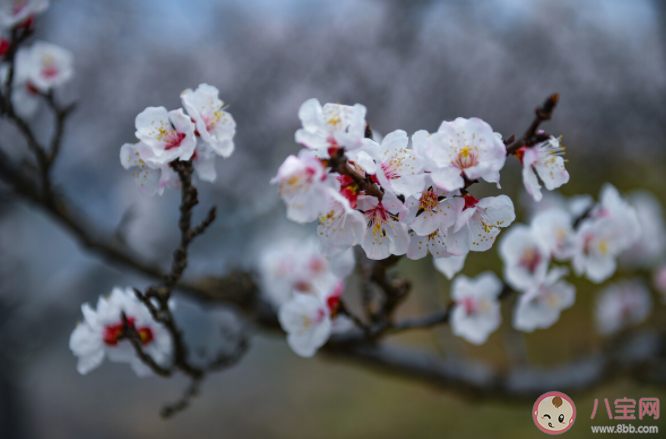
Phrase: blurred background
(413,64)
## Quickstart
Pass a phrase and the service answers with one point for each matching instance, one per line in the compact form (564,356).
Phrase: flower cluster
(306,288)
(395,196)
(102,333)
(198,133)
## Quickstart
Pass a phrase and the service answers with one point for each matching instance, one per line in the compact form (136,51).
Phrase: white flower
(649,249)
(541,305)
(659,282)
(307,322)
(385,232)
(433,243)
(25,97)
(450,266)
(464,147)
(101,334)
(216,127)
(170,136)
(613,228)
(341,227)
(332,126)
(203,162)
(476,313)
(400,169)
(294,265)
(479,223)
(433,209)
(545,160)
(13,12)
(554,228)
(150,180)
(47,66)
(626,303)
(525,258)
(303,186)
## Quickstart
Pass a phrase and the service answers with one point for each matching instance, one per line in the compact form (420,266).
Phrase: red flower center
(114,333)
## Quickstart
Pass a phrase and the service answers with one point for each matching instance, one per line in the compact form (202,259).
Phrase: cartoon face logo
(554,413)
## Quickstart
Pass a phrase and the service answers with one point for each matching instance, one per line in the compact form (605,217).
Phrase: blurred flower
(649,249)
(541,304)
(310,318)
(449,266)
(150,180)
(464,147)
(13,12)
(46,66)
(334,125)
(554,228)
(400,170)
(476,313)
(167,136)
(295,265)
(203,162)
(303,185)
(215,127)
(479,223)
(545,160)
(385,232)
(612,228)
(623,304)
(524,256)
(102,334)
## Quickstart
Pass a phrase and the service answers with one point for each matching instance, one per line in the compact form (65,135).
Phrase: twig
(531,136)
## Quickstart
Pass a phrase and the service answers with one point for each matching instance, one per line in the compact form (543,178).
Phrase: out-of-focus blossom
(450,266)
(545,160)
(101,334)
(479,223)
(476,313)
(303,186)
(13,12)
(649,249)
(296,265)
(150,180)
(215,127)
(47,66)
(385,232)
(309,319)
(168,136)
(399,168)
(525,258)
(612,228)
(464,147)
(541,305)
(334,125)
(554,228)
(623,304)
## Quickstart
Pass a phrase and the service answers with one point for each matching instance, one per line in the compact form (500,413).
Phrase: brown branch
(531,136)
(338,163)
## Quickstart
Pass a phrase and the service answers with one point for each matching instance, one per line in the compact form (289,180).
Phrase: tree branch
(531,136)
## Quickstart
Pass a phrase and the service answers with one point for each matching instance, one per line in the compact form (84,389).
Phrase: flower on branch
(103,333)
(612,228)
(399,169)
(525,258)
(334,125)
(167,136)
(545,160)
(476,313)
(309,319)
(385,232)
(464,147)
(215,127)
